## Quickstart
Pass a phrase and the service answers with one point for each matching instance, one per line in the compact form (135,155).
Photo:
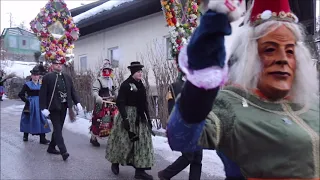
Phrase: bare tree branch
(164,72)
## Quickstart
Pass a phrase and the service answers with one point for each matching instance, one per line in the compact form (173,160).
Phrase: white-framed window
(83,63)
(168,48)
(12,41)
(114,56)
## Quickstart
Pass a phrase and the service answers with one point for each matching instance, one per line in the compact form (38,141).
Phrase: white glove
(99,100)
(45,112)
(79,107)
(232,8)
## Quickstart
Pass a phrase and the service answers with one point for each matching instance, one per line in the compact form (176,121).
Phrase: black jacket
(128,97)
(175,89)
(46,90)
(2,81)
(27,91)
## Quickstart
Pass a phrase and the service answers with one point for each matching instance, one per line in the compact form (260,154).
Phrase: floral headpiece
(56,30)
(180,32)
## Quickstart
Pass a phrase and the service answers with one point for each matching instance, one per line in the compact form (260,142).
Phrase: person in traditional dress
(130,141)
(267,119)
(2,90)
(103,90)
(187,158)
(56,95)
(32,120)
(3,79)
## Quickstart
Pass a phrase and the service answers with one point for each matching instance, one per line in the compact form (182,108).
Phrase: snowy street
(29,160)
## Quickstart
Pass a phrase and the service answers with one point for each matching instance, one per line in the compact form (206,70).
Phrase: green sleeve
(219,123)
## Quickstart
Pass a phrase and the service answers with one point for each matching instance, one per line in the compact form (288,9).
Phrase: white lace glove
(79,107)
(233,8)
(99,100)
(45,112)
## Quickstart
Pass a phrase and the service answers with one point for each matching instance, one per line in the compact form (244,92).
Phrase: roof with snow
(104,14)
(16,31)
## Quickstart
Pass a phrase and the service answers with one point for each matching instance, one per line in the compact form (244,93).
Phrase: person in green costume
(266,119)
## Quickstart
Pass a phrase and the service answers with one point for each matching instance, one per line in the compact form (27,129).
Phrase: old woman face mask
(277,54)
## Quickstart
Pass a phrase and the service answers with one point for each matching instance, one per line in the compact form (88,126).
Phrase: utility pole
(10,19)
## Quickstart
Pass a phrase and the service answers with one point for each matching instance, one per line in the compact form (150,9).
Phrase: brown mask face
(277,53)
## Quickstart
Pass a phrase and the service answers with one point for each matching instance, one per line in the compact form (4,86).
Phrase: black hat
(135,64)
(35,71)
(135,67)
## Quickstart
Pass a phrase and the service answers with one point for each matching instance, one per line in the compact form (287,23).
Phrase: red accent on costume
(280,9)
(106,73)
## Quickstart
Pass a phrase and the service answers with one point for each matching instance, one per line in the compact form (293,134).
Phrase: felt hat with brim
(135,64)
(35,71)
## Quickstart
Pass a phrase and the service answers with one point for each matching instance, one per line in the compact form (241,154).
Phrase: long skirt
(120,149)
(2,90)
(34,122)
(102,119)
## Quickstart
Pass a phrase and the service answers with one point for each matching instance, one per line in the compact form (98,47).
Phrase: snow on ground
(103,7)
(20,68)
(211,163)
(4,97)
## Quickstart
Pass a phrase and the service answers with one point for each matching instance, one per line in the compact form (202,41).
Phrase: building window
(83,63)
(24,42)
(168,49)
(114,56)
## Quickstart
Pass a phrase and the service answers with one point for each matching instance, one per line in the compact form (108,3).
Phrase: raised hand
(232,8)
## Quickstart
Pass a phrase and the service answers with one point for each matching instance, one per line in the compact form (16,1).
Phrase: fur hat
(106,65)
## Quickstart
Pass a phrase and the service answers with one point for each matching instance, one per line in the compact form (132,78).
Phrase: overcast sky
(27,10)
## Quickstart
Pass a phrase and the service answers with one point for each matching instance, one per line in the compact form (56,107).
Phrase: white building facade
(123,42)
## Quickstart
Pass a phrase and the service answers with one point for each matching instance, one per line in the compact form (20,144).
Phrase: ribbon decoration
(180,32)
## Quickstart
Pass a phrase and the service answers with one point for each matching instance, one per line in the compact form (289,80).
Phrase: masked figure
(105,109)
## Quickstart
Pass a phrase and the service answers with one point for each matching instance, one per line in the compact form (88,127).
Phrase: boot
(1,98)
(142,175)
(161,176)
(115,168)
(25,136)
(52,150)
(43,139)
(94,141)
(65,156)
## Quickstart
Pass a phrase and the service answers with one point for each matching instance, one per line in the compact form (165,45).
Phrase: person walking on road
(56,96)
(130,141)
(32,120)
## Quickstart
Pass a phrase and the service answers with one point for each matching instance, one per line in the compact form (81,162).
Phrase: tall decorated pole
(181,22)
(56,31)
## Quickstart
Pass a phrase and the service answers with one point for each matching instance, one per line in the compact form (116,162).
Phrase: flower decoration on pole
(180,32)
(56,30)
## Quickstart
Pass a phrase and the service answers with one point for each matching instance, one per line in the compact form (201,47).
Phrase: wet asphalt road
(29,160)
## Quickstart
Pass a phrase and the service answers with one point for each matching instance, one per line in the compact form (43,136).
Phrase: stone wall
(13,87)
